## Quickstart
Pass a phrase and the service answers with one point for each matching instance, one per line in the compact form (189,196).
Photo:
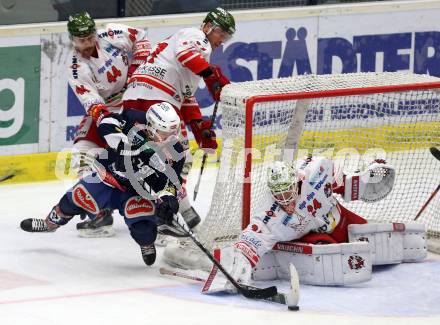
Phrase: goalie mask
(282,181)
(163,122)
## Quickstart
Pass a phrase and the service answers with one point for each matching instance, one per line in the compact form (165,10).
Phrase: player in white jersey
(98,68)
(300,205)
(172,74)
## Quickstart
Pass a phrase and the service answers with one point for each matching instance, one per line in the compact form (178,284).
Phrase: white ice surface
(59,278)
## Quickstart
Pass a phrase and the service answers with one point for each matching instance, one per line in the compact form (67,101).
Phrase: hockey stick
(279,298)
(436,153)
(6,177)
(205,155)
(255,293)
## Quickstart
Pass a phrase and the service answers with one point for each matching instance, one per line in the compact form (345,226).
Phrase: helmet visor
(221,33)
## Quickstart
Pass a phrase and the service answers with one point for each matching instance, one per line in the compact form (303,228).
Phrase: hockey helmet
(282,181)
(220,17)
(162,121)
(81,25)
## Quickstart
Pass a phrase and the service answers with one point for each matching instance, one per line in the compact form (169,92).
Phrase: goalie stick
(436,153)
(279,298)
(255,293)
(6,177)
(205,155)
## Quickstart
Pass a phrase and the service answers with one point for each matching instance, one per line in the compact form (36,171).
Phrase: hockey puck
(293,308)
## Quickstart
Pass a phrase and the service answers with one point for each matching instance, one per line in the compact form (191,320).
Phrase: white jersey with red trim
(314,210)
(102,80)
(170,73)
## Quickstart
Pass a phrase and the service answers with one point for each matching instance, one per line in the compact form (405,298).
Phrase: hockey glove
(96,111)
(166,208)
(215,80)
(142,49)
(204,135)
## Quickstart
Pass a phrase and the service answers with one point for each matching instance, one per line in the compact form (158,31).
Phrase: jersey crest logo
(133,33)
(328,190)
(81,90)
(355,262)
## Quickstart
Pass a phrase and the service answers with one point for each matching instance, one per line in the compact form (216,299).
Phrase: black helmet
(222,18)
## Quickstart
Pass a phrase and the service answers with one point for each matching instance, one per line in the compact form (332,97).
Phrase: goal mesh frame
(250,103)
(241,101)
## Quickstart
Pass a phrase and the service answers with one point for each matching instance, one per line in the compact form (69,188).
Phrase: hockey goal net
(351,118)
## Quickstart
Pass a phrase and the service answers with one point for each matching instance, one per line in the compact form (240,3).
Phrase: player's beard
(87,52)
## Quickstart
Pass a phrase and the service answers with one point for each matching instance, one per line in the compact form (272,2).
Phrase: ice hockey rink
(60,278)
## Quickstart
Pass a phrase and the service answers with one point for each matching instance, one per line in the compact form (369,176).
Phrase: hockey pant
(92,196)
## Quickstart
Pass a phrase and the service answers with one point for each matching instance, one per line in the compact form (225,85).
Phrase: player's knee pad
(144,232)
(333,264)
(392,243)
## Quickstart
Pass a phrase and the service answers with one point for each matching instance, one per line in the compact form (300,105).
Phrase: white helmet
(162,121)
(282,181)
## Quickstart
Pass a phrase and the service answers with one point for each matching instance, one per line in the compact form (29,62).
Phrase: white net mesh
(353,130)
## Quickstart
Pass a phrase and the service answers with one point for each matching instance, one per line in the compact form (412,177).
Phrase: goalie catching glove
(371,185)
(215,80)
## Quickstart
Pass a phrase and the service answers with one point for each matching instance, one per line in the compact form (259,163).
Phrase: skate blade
(105,231)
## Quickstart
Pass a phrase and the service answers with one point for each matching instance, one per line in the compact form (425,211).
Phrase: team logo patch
(397,226)
(355,262)
(83,199)
(328,190)
(138,206)
(255,228)
(81,90)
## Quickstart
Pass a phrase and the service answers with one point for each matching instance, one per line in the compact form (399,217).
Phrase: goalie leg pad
(391,243)
(333,264)
(414,242)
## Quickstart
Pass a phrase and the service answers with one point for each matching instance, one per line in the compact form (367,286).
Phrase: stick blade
(195,195)
(435,152)
(257,293)
(293,295)
(6,177)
